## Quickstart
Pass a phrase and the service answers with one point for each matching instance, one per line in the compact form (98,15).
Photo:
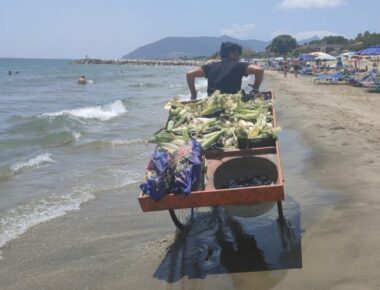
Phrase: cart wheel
(181,217)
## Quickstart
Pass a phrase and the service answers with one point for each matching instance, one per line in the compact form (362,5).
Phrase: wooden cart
(220,165)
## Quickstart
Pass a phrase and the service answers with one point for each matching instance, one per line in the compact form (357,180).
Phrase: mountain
(172,47)
(303,41)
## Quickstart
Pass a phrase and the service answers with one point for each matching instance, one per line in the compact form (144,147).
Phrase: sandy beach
(331,156)
(342,125)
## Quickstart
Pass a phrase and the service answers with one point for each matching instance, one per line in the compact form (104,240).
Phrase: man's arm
(190,77)
(258,71)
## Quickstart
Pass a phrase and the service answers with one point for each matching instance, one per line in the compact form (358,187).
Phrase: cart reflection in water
(217,243)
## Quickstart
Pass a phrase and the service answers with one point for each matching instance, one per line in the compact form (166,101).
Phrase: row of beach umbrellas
(372,50)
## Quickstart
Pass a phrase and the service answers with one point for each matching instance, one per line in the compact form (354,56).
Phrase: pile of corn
(215,122)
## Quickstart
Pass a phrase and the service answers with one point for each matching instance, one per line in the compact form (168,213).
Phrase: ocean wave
(42,125)
(35,162)
(126,141)
(59,138)
(17,221)
(100,144)
(145,85)
(53,139)
(177,85)
(103,113)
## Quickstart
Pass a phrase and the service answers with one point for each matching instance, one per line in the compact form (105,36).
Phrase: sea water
(61,144)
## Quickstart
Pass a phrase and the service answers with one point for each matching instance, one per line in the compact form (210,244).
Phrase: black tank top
(225,76)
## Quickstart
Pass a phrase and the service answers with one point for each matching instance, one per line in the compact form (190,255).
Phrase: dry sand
(113,245)
(342,124)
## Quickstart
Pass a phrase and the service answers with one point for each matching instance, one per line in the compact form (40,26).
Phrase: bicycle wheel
(181,217)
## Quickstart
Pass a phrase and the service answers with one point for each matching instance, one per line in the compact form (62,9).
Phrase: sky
(112,28)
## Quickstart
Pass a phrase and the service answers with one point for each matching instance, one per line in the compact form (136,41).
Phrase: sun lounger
(375,88)
(306,71)
(367,80)
(333,78)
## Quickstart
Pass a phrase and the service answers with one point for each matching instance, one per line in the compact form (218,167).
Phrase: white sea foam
(103,113)
(126,142)
(17,221)
(35,162)
(174,85)
(76,135)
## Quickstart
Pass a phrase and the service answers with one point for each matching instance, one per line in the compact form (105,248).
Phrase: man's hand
(256,90)
(190,77)
(194,96)
(258,71)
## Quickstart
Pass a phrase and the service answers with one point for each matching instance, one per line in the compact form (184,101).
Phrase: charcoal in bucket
(250,171)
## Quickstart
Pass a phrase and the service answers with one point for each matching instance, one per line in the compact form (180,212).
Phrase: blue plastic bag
(187,168)
(159,176)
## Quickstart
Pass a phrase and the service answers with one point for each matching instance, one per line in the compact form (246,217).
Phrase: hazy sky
(112,28)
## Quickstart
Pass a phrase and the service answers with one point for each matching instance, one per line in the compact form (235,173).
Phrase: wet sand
(330,152)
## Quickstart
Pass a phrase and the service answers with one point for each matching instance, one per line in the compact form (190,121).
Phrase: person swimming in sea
(82,80)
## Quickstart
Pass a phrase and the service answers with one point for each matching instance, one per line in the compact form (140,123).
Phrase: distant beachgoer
(225,75)
(9,73)
(82,80)
(296,68)
(339,64)
(285,68)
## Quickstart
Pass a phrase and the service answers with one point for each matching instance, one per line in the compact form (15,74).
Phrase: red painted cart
(222,166)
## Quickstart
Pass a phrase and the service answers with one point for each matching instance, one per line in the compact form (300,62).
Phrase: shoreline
(140,62)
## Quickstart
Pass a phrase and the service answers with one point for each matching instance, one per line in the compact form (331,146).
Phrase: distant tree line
(287,45)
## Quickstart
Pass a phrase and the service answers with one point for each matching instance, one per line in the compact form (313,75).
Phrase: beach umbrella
(349,53)
(372,50)
(324,56)
(306,57)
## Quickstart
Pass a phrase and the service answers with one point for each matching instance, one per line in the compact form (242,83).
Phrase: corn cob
(210,139)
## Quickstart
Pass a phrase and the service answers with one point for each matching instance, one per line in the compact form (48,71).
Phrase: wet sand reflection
(217,243)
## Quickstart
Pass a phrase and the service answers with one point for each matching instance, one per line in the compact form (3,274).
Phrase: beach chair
(333,78)
(306,71)
(367,80)
(375,88)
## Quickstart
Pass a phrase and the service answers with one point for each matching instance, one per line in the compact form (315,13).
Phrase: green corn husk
(178,130)
(249,116)
(210,110)
(180,121)
(175,111)
(173,103)
(190,121)
(170,147)
(178,142)
(170,125)
(162,137)
(183,111)
(211,139)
